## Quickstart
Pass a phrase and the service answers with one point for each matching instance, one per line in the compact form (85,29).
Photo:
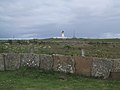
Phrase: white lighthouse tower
(63,35)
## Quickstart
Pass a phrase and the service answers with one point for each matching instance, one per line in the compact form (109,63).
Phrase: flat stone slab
(83,66)
(116,66)
(46,62)
(115,75)
(101,68)
(12,61)
(1,63)
(64,64)
(30,60)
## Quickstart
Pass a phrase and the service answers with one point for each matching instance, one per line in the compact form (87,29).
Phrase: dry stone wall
(30,60)
(116,66)
(101,68)
(95,67)
(12,61)
(46,62)
(63,64)
(115,74)
(1,63)
(83,66)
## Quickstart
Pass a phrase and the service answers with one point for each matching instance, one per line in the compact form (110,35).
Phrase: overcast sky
(47,18)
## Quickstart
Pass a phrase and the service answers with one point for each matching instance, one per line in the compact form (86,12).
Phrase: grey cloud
(41,16)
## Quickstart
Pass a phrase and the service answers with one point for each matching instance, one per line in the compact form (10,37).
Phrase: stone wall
(30,60)
(12,61)
(95,67)
(46,62)
(2,63)
(63,64)
(83,66)
(101,68)
(115,73)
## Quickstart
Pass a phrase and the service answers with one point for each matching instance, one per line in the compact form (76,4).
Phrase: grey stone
(46,62)
(83,65)
(1,63)
(64,64)
(116,66)
(115,73)
(12,61)
(30,60)
(101,68)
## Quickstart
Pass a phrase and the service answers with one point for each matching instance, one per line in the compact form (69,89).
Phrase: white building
(62,36)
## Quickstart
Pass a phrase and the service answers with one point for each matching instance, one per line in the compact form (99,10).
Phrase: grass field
(35,79)
(103,48)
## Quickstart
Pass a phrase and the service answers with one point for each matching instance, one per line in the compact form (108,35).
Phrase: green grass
(35,79)
(103,48)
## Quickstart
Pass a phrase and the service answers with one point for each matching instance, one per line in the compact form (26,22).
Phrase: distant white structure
(62,36)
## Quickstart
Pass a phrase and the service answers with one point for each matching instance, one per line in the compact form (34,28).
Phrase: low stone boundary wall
(2,63)
(115,73)
(64,64)
(86,66)
(83,65)
(101,68)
